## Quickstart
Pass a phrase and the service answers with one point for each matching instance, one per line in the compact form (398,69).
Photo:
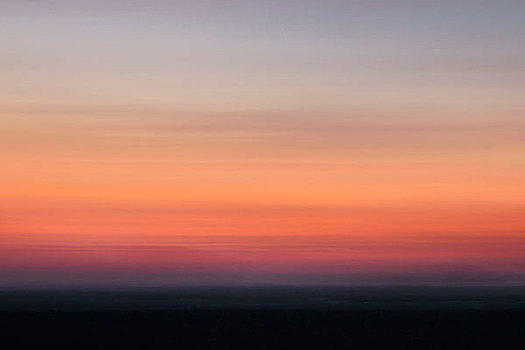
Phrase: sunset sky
(165,143)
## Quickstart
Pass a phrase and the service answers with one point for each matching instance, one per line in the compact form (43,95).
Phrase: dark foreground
(264,329)
(265,319)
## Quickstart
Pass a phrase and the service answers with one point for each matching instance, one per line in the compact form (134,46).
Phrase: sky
(167,143)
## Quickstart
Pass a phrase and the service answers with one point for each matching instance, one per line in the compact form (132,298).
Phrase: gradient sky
(237,142)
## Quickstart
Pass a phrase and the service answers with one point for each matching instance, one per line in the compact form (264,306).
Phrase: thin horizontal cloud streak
(261,131)
(343,260)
